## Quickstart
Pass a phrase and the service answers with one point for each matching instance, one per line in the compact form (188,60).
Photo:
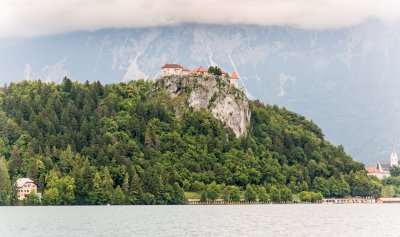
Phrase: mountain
(343,79)
(143,143)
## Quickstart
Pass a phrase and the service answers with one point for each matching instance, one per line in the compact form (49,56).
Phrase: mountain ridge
(88,143)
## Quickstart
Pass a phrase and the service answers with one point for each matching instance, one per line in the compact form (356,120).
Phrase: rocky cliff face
(225,102)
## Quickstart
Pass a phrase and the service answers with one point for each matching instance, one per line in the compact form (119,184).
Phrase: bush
(310,196)
(263,195)
(213,191)
(286,195)
(32,199)
(186,185)
(225,194)
(275,194)
(203,197)
(234,193)
(198,186)
(250,195)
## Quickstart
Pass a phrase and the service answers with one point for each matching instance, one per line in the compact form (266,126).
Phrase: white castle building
(173,70)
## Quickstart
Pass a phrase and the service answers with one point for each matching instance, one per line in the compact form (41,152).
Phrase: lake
(211,220)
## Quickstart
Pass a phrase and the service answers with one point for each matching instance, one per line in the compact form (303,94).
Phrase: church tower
(393,157)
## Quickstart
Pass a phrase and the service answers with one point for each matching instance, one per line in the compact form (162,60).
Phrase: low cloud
(43,17)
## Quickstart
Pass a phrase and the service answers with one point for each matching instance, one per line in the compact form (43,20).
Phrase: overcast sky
(43,17)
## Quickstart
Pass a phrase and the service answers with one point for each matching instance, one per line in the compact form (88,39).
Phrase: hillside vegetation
(87,143)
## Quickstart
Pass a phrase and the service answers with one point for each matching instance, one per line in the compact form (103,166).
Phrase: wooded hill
(88,143)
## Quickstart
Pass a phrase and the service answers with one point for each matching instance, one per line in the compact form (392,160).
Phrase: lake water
(240,220)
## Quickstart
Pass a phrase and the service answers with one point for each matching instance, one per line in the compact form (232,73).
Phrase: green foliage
(32,199)
(225,193)
(310,196)
(203,197)
(118,197)
(391,181)
(179,194)
(215,70)
(234,193)
(198,186)
(59,191)
(250,195)
(362,186)
(263,195)
(391,187)
(123,143)
(286,194)
(5,184)
(275,195)
(395,171)
(213,191)
(51,197)
(388,191)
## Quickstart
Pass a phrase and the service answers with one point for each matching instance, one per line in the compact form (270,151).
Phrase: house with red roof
(201,71)
(193,72)
(373,171)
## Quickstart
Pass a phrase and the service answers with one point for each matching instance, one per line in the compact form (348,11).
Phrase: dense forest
(88,143)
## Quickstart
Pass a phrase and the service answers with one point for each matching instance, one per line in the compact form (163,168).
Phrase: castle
(178,70)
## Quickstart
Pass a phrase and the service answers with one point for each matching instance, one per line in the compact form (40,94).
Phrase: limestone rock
(225,102)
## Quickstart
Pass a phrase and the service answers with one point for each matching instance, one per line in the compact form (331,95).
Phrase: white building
(382,169)
(393,157)
(234,80)
(174,70)
(373,171)
(24,187)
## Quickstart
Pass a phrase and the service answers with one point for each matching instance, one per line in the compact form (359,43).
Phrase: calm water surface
(244,220)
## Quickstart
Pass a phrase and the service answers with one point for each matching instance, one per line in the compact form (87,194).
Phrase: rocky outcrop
(226,103)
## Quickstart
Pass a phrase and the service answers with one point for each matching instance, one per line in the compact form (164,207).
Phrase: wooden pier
(347,200)
(225,202)
(388,200)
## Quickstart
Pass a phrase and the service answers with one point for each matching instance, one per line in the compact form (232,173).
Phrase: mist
(27,18)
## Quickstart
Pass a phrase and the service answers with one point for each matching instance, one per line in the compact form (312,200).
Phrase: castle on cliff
(178,70)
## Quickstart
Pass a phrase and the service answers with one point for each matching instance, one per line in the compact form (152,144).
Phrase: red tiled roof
(234,76)
(223,72)
(185,69)
(172,66)
(194,71)
(372,170)
(201,69)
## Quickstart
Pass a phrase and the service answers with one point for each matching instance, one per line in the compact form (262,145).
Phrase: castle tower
(234,79)
(393,157)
